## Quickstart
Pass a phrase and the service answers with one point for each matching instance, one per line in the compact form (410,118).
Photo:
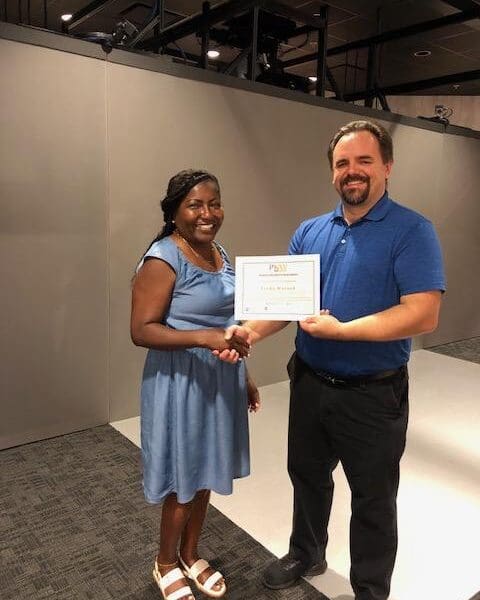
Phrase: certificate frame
(277,288)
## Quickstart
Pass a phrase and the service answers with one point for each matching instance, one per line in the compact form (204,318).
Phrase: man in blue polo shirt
(381,283)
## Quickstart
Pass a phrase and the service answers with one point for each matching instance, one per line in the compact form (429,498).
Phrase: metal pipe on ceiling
(87,12)
(322,52)
(414,86)
(205,35)
(254,53)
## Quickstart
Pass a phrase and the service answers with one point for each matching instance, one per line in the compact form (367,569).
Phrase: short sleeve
(296,241)
(418,261)
(165,250)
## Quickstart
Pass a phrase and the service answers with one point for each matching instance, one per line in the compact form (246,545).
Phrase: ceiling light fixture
(213,54)
(422,53)
(66,17)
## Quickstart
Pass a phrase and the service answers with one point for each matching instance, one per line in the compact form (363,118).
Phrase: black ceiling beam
(373,60)
(253,67)
(217,14)
(188,57)
(194,23)
(185,56)
(461,4)
(394,34)
(237,61)
(322,53)
(152,25)
(87,12)
(205,36)
(333,84)
(414,86)
(383,101)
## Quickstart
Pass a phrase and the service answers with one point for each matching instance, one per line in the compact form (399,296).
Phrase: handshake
(234,343)
(237,343)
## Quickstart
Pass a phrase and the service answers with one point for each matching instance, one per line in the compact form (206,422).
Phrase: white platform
(439,499)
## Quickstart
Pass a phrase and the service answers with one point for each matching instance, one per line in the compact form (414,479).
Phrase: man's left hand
(324,326)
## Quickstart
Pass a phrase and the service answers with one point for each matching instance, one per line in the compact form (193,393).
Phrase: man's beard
(354,197)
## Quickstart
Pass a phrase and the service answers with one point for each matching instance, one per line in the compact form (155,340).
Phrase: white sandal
(164,581)
(206,587)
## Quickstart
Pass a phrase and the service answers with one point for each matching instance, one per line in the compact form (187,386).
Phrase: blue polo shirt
(365,268)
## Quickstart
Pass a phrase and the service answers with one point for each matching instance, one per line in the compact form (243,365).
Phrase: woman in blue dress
(194,421)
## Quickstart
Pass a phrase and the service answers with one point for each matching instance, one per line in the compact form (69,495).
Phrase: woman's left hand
(253,396)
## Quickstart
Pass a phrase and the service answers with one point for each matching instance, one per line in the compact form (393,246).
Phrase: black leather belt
(360,380)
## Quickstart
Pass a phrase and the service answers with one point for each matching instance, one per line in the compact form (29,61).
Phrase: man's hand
(250,333)
(232,347)
(416,314)
(324,326)
(240,331)
(238,336)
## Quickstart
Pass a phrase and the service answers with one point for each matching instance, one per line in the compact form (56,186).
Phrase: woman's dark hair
(178,188)
(382,135)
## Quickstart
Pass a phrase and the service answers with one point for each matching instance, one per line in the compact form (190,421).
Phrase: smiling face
(200,214)
(359,173)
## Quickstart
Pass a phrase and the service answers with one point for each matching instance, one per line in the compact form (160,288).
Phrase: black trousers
(364,427)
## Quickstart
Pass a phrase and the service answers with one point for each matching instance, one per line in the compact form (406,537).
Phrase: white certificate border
(242,261)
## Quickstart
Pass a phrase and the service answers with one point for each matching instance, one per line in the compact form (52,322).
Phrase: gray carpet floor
(464,349)
(74,525)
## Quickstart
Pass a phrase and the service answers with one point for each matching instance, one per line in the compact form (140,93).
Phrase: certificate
(277,288)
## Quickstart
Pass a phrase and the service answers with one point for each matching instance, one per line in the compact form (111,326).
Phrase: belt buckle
(335,380)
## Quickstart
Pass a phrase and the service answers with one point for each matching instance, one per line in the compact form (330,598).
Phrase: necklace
(210,261)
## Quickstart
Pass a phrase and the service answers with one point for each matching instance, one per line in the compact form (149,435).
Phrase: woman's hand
(237,335)
(235,347)
(253,396)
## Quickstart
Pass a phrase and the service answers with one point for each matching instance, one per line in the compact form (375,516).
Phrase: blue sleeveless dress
(194,409)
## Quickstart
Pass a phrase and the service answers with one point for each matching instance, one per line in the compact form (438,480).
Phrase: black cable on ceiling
(355,71)
(302,45)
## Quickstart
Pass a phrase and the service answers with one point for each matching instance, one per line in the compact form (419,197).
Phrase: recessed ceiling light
(313,79)
(422,53)
(213,54)
(66,17)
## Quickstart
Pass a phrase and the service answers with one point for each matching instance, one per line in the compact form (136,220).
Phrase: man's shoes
(286,571)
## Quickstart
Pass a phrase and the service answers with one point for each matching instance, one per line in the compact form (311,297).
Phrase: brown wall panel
(54,334)
(457,216)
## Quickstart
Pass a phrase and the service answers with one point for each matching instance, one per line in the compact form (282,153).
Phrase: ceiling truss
(156,36)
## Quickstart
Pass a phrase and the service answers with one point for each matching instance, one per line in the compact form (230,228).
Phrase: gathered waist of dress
(204,354)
